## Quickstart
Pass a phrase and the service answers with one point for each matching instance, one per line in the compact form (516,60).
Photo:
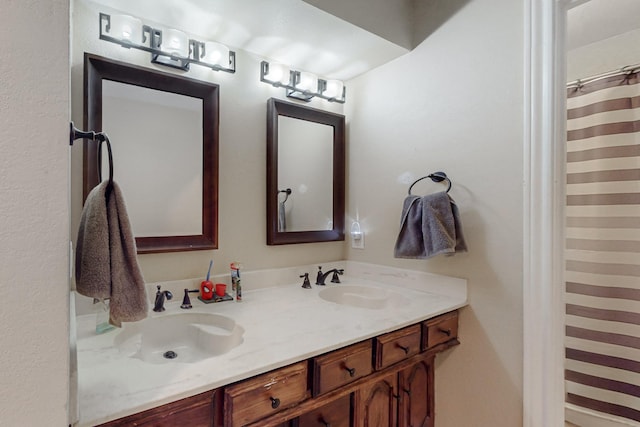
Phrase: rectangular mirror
(164,133)
(305,174)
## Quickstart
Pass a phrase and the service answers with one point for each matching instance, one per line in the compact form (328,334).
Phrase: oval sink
(184,337)
(360,296)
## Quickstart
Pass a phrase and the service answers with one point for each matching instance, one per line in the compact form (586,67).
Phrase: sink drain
(170,354)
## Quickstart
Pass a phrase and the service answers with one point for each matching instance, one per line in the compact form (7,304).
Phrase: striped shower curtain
(602,252)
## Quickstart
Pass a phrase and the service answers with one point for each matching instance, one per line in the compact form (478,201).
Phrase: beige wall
(242,208)
(454,104)
(34,214)
(603,56)
(457,107)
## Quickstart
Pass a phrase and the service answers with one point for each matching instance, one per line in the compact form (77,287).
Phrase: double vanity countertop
(282,325)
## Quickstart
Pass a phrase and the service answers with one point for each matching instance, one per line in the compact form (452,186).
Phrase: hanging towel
(106,263)
(282,217)
(429,226)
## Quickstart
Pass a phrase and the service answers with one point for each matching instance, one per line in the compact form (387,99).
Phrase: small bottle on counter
(235,281)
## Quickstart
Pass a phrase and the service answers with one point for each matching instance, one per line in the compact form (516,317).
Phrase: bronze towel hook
(435,177)
(102,137)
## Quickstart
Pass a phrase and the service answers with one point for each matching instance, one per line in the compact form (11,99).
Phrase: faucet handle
(306,283)
(186,301)
(319,278)
(335,278)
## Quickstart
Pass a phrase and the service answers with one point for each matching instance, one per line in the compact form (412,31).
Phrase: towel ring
(287,193)
(435,177)
(75,133)
(102,137)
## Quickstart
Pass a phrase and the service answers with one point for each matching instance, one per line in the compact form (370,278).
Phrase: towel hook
(287,193)
(435,177)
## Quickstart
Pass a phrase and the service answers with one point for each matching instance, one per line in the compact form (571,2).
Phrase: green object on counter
(102,317)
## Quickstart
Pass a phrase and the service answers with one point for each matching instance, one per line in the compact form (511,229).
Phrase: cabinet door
(335,414)
(416,389)
(376,403)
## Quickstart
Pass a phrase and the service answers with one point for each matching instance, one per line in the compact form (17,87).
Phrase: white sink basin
(179,338)
(361,296)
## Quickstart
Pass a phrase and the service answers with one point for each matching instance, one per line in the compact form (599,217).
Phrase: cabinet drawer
(334,414)
(439,330)
(265,394)
(341,367)
(396,346)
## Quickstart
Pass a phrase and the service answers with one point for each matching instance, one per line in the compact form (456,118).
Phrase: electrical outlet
(357,240)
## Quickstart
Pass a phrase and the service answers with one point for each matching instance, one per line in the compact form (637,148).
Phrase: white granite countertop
(282,324)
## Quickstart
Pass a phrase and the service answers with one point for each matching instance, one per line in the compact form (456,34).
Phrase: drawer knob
(275,402)
(407,391)
(403,348)
(352,371)
(447,332)
(326,424)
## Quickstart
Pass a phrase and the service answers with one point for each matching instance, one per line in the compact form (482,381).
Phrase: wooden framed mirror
(164,133)
(305,174)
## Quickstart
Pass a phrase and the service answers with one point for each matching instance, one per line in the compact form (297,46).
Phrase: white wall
(242,204)
(454,104)
(603,56)
(34,200)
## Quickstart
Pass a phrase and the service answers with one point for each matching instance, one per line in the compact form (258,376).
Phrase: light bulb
(175,42)
(126,28)
(216,53)
(278,73)
(308,82)
(333,89)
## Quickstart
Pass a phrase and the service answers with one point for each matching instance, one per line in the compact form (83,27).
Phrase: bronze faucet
(160,297)
(321,277)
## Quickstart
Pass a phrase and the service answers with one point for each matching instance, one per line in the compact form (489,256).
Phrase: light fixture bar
(301,85)
(178,51)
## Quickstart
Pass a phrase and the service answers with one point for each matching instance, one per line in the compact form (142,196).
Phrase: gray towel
(282,217)
(106,263)
(429,226)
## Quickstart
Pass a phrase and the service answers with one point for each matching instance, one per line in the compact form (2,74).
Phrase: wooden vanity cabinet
(336,413)
(386,381)
(195,411)
(376,403)
(261,396)
(439,330)
(416,396)
(341,367)
(396,346)
(401,398)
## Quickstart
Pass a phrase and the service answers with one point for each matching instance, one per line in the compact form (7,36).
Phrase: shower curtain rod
(629,69)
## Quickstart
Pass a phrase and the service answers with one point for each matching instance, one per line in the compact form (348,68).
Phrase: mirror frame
(276,108)
(96,69)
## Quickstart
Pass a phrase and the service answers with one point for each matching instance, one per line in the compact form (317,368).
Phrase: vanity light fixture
(301,84)
(168,47)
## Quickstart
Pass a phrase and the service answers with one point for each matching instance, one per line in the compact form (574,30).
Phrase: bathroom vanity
(306,358)
(387,380)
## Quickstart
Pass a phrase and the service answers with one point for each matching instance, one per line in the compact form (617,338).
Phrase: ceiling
(288,31)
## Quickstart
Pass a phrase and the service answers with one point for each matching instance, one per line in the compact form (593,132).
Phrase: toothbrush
(209,271)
